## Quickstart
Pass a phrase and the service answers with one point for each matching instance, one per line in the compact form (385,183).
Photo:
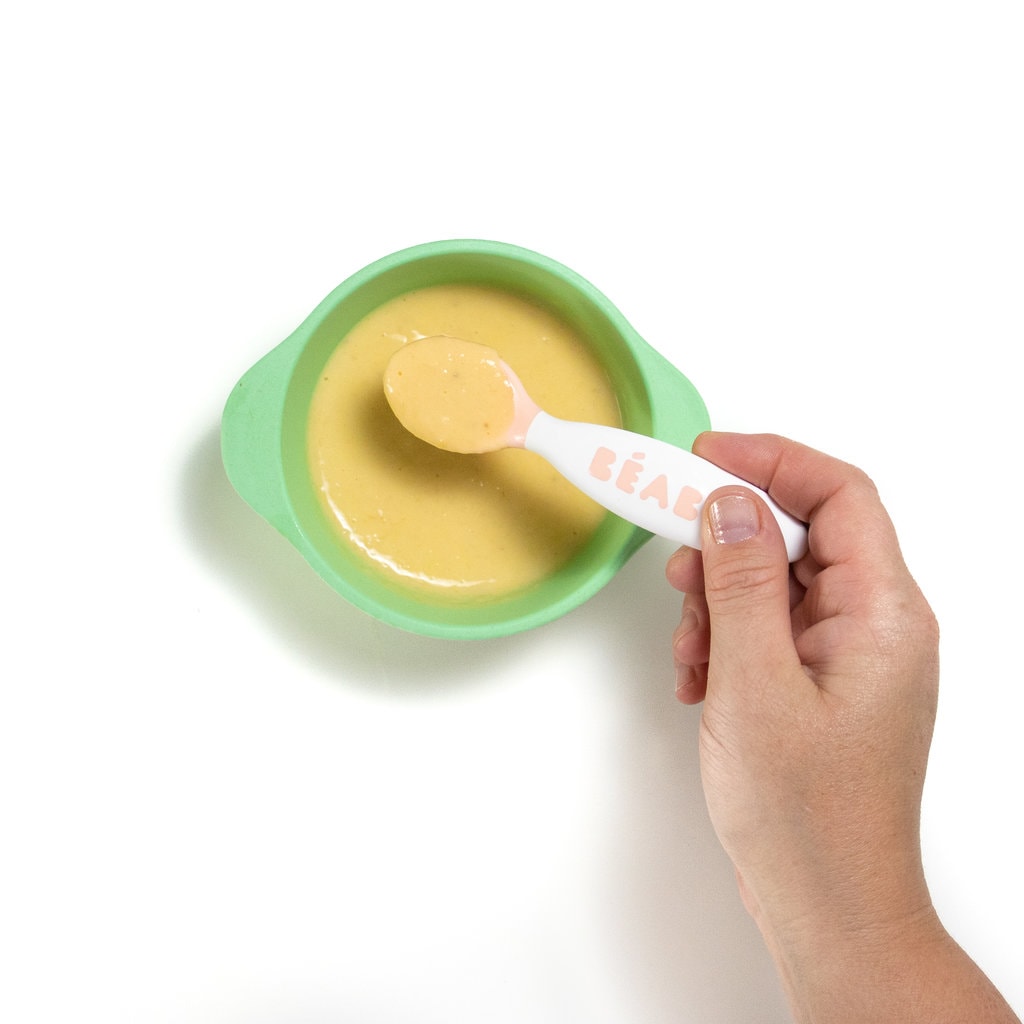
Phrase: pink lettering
(630,473)
(686,504)
(601,464)
(658,490)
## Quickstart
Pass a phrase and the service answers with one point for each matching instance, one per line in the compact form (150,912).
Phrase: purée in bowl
(266,426)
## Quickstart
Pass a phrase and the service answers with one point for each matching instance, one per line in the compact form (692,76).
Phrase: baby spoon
(462,397)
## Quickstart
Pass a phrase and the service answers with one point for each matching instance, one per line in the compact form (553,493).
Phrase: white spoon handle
(652,484)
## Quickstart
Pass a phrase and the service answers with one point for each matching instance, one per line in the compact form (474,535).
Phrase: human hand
(819,684)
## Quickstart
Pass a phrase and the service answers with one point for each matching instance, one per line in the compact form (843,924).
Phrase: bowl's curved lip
(253,424)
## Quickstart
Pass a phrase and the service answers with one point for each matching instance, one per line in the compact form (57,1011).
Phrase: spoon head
(456,395)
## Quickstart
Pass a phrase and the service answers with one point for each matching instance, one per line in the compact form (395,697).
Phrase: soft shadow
(687,949)
(290,598)
(312,1012)
(691,950)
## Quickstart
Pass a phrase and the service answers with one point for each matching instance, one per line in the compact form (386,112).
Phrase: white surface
(229,798)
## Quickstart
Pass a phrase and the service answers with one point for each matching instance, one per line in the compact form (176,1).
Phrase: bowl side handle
(678,413)
(251,429)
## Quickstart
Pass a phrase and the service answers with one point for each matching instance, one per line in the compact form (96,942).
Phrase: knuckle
(737,581)
(906,628)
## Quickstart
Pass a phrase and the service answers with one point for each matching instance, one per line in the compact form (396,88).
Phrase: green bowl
(263,431)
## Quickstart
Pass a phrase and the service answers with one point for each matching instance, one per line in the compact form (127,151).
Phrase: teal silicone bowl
(263,431)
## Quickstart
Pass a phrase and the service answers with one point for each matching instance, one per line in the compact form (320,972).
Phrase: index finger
(838,500)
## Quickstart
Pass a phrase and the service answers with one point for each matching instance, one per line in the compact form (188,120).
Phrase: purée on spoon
(457,395)
(461,396)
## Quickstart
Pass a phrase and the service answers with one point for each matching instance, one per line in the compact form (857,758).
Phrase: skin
(819,685)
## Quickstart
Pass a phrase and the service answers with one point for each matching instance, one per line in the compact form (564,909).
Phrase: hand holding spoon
(460,396)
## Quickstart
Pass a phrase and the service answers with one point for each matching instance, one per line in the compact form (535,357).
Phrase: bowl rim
(253,427)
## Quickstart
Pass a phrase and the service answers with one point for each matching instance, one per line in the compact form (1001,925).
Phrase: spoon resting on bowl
(461,396)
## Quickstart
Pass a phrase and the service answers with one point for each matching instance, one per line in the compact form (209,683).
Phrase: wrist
(837,972)
(901,969)
(849,949)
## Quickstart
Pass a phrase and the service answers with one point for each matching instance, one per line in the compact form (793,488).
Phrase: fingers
(685,570)
(691,683)
(838,500)
(745,599)
(739,589)
(691,643)
(746,587)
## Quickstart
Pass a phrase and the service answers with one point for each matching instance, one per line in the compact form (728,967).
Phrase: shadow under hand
(684,945)
(302,609)
(690,949)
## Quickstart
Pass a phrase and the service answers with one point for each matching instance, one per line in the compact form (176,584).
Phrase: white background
(227,796)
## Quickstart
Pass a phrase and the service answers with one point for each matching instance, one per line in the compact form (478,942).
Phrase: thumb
(746,584)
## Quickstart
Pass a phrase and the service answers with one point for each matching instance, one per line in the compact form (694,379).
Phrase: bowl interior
(541,281)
